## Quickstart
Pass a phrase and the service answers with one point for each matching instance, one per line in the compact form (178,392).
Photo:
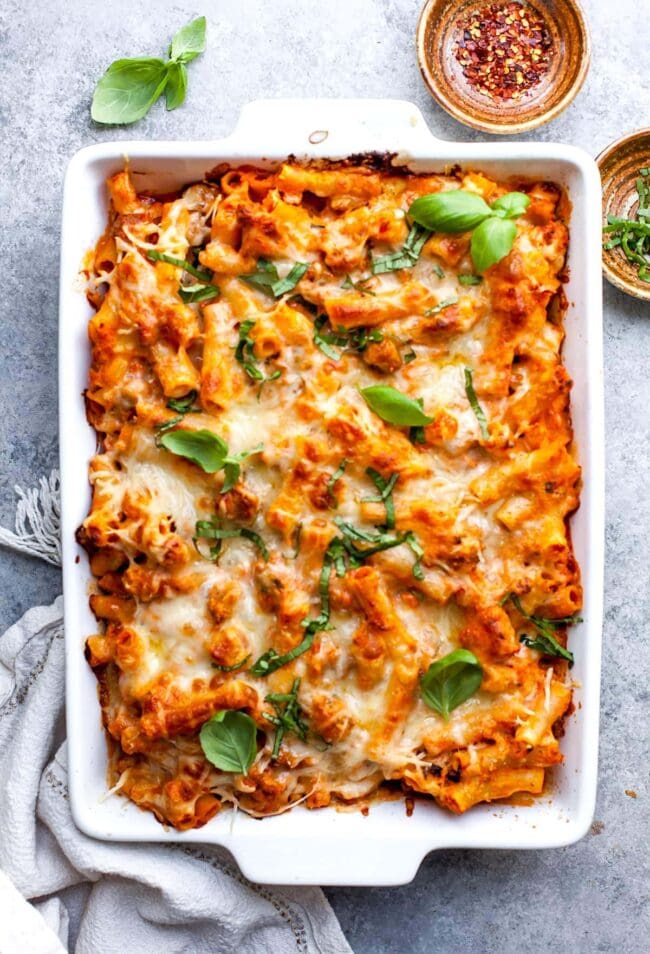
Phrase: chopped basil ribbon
(194,293)
(460,211)
(229,741)
(394,407)
(418,551)
(287,716)
(360,285)
(633,235)
(245,355)
(341,551)
(469,279)
(265,278)
(354,339)
(545,641)
(407,255)
(340,470)
(385,496)
(450,681)
(237,665)
(201,274)
(438,271)
(183,404)
(210,530)
(442,305)
(476,407)
(209,451)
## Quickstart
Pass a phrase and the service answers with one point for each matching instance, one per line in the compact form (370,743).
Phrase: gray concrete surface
(590,897)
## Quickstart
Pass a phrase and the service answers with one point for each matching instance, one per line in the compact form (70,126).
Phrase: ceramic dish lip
(455,105)
(327,847)
(636,289)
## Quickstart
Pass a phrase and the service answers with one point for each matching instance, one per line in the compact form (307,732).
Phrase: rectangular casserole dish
(308,847)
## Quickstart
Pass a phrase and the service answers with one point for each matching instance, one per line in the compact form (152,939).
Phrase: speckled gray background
(592,896)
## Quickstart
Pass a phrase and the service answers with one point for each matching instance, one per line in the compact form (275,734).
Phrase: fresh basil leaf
(127,90)
(512,204)
(469,279)
(229,741)
(234,667)
(450,681)
(183,404)
(407,255)
(438,270)
(189,42)
(491,241)
(474,403)
(204,448)
(232,467)
(194,293)
(331,483)
(394,407)
(203,276)
(442,305)
(176,87)
(287,716)
(453,211)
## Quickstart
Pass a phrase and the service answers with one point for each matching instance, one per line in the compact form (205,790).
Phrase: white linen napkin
(165,899)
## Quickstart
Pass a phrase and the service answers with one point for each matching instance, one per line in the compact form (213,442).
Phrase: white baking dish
(329,847)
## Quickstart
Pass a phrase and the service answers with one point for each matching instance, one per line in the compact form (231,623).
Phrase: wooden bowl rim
(453,105)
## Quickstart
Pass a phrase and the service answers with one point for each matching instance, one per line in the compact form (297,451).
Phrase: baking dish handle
(334,127)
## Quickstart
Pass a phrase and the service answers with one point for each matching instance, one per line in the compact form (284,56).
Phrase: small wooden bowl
(438,33)
(619,166)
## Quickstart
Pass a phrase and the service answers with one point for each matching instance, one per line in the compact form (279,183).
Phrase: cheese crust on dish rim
(477,514)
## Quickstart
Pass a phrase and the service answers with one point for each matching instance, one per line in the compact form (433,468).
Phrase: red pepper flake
(504,50)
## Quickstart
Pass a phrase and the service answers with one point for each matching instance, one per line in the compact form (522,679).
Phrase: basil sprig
(352,339)
(545,641)
(450,681)
(129,87)
(385,495)
(394,407)
(265,278)
(493,231)
(210,452)
(210,530)
(479,413)
(407,255)
(229,741)
(287,716)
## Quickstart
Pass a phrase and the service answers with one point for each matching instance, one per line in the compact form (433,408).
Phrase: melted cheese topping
(181,625)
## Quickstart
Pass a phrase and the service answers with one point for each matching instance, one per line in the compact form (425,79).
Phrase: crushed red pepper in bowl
(503,66)
(505,49)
